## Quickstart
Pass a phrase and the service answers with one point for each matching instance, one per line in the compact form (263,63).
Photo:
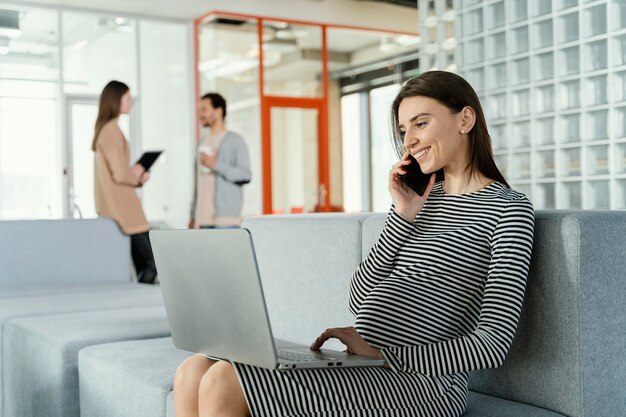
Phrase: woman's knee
(220,392)
(190,371)
(220,377)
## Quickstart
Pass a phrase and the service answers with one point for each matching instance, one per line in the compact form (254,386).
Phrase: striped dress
(439,297)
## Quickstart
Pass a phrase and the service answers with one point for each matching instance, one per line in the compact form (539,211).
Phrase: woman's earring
(462,132)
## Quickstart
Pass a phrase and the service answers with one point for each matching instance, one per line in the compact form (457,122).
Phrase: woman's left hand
(349,337)
(144,178)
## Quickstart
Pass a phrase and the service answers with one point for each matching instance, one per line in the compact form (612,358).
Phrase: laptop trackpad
(320,358)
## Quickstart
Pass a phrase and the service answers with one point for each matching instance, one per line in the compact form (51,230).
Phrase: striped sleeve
(489,343)
(380,261)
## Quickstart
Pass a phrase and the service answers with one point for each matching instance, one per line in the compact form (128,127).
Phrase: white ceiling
(373,15)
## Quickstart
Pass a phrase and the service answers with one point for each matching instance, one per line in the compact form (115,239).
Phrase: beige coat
(114,181)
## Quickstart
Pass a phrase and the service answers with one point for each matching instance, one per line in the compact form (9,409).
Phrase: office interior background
(309,85)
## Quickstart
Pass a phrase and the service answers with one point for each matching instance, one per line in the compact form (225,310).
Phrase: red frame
(268,101)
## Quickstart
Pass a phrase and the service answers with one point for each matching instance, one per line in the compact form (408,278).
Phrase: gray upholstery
(169,405)
(568,357)
(128,379)
(312,256)
(39,290)
(104,298)
(372,227)
(62,252)
(41,379)
(480,405)
(569,353)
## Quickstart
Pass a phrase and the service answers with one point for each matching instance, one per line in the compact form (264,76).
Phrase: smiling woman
(445,127)
(439,295)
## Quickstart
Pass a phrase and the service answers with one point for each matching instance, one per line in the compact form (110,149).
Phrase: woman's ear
(468,119)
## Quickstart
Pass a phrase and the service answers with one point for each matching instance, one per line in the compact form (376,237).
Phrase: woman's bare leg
(187,384)
(221,394)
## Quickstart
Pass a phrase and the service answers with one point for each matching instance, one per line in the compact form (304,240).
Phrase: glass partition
(30,159)
(29,50)
(166,121)
(53,66)
(294,160)
(383,155)
(96,50)
(228,63)
(292,59)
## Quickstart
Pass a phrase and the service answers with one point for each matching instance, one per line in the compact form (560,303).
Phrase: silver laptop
(215,305)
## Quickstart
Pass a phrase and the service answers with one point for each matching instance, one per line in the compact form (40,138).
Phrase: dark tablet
(148,158)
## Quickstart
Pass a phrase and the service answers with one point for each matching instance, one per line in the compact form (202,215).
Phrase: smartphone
(416,179)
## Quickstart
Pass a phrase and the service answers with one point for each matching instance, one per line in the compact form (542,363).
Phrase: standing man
(222,168)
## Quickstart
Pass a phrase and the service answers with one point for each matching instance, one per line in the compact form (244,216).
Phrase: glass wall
(292,59)
(295,174)
(31,162)
(556,110)
(229,64)
(368,68)
(383,155)
(97,49)
(53,66)
(166,119)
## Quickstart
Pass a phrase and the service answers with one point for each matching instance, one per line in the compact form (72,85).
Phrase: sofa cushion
(41,378)
(568,354)
(104,298)
(372,228)
(128,379)
(63,252)
(305,269)
(481,405)
(39,290)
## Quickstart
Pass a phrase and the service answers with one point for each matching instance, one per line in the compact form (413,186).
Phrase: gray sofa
(568,357)
(64,284)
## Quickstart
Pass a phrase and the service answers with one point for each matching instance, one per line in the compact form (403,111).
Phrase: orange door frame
(322,157)
(321,104)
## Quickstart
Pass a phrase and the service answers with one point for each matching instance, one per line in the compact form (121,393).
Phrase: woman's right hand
(406,201)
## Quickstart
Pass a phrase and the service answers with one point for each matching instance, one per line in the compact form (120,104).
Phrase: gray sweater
(232,171)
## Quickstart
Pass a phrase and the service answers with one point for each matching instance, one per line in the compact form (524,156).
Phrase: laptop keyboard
(296,356)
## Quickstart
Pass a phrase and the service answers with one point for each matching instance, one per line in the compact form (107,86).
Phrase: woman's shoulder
(109,135)
(110,130)
(515,200)
(510,194)
(111,127)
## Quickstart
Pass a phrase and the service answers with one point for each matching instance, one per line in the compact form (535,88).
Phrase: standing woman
(115,180)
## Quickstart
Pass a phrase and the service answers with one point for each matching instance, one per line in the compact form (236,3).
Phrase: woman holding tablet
(115,180)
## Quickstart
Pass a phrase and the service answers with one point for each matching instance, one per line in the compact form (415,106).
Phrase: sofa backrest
(36,253)
(569,353)
(306,262)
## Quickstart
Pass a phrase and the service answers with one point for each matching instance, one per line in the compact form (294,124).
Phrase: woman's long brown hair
(109,107)
(455,93)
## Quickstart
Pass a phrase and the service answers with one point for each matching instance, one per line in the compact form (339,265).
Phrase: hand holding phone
(415,178)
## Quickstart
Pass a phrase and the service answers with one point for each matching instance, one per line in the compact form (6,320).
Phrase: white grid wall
(551,75)
(438,37)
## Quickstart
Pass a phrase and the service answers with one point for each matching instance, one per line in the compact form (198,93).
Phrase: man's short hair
(217,101)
